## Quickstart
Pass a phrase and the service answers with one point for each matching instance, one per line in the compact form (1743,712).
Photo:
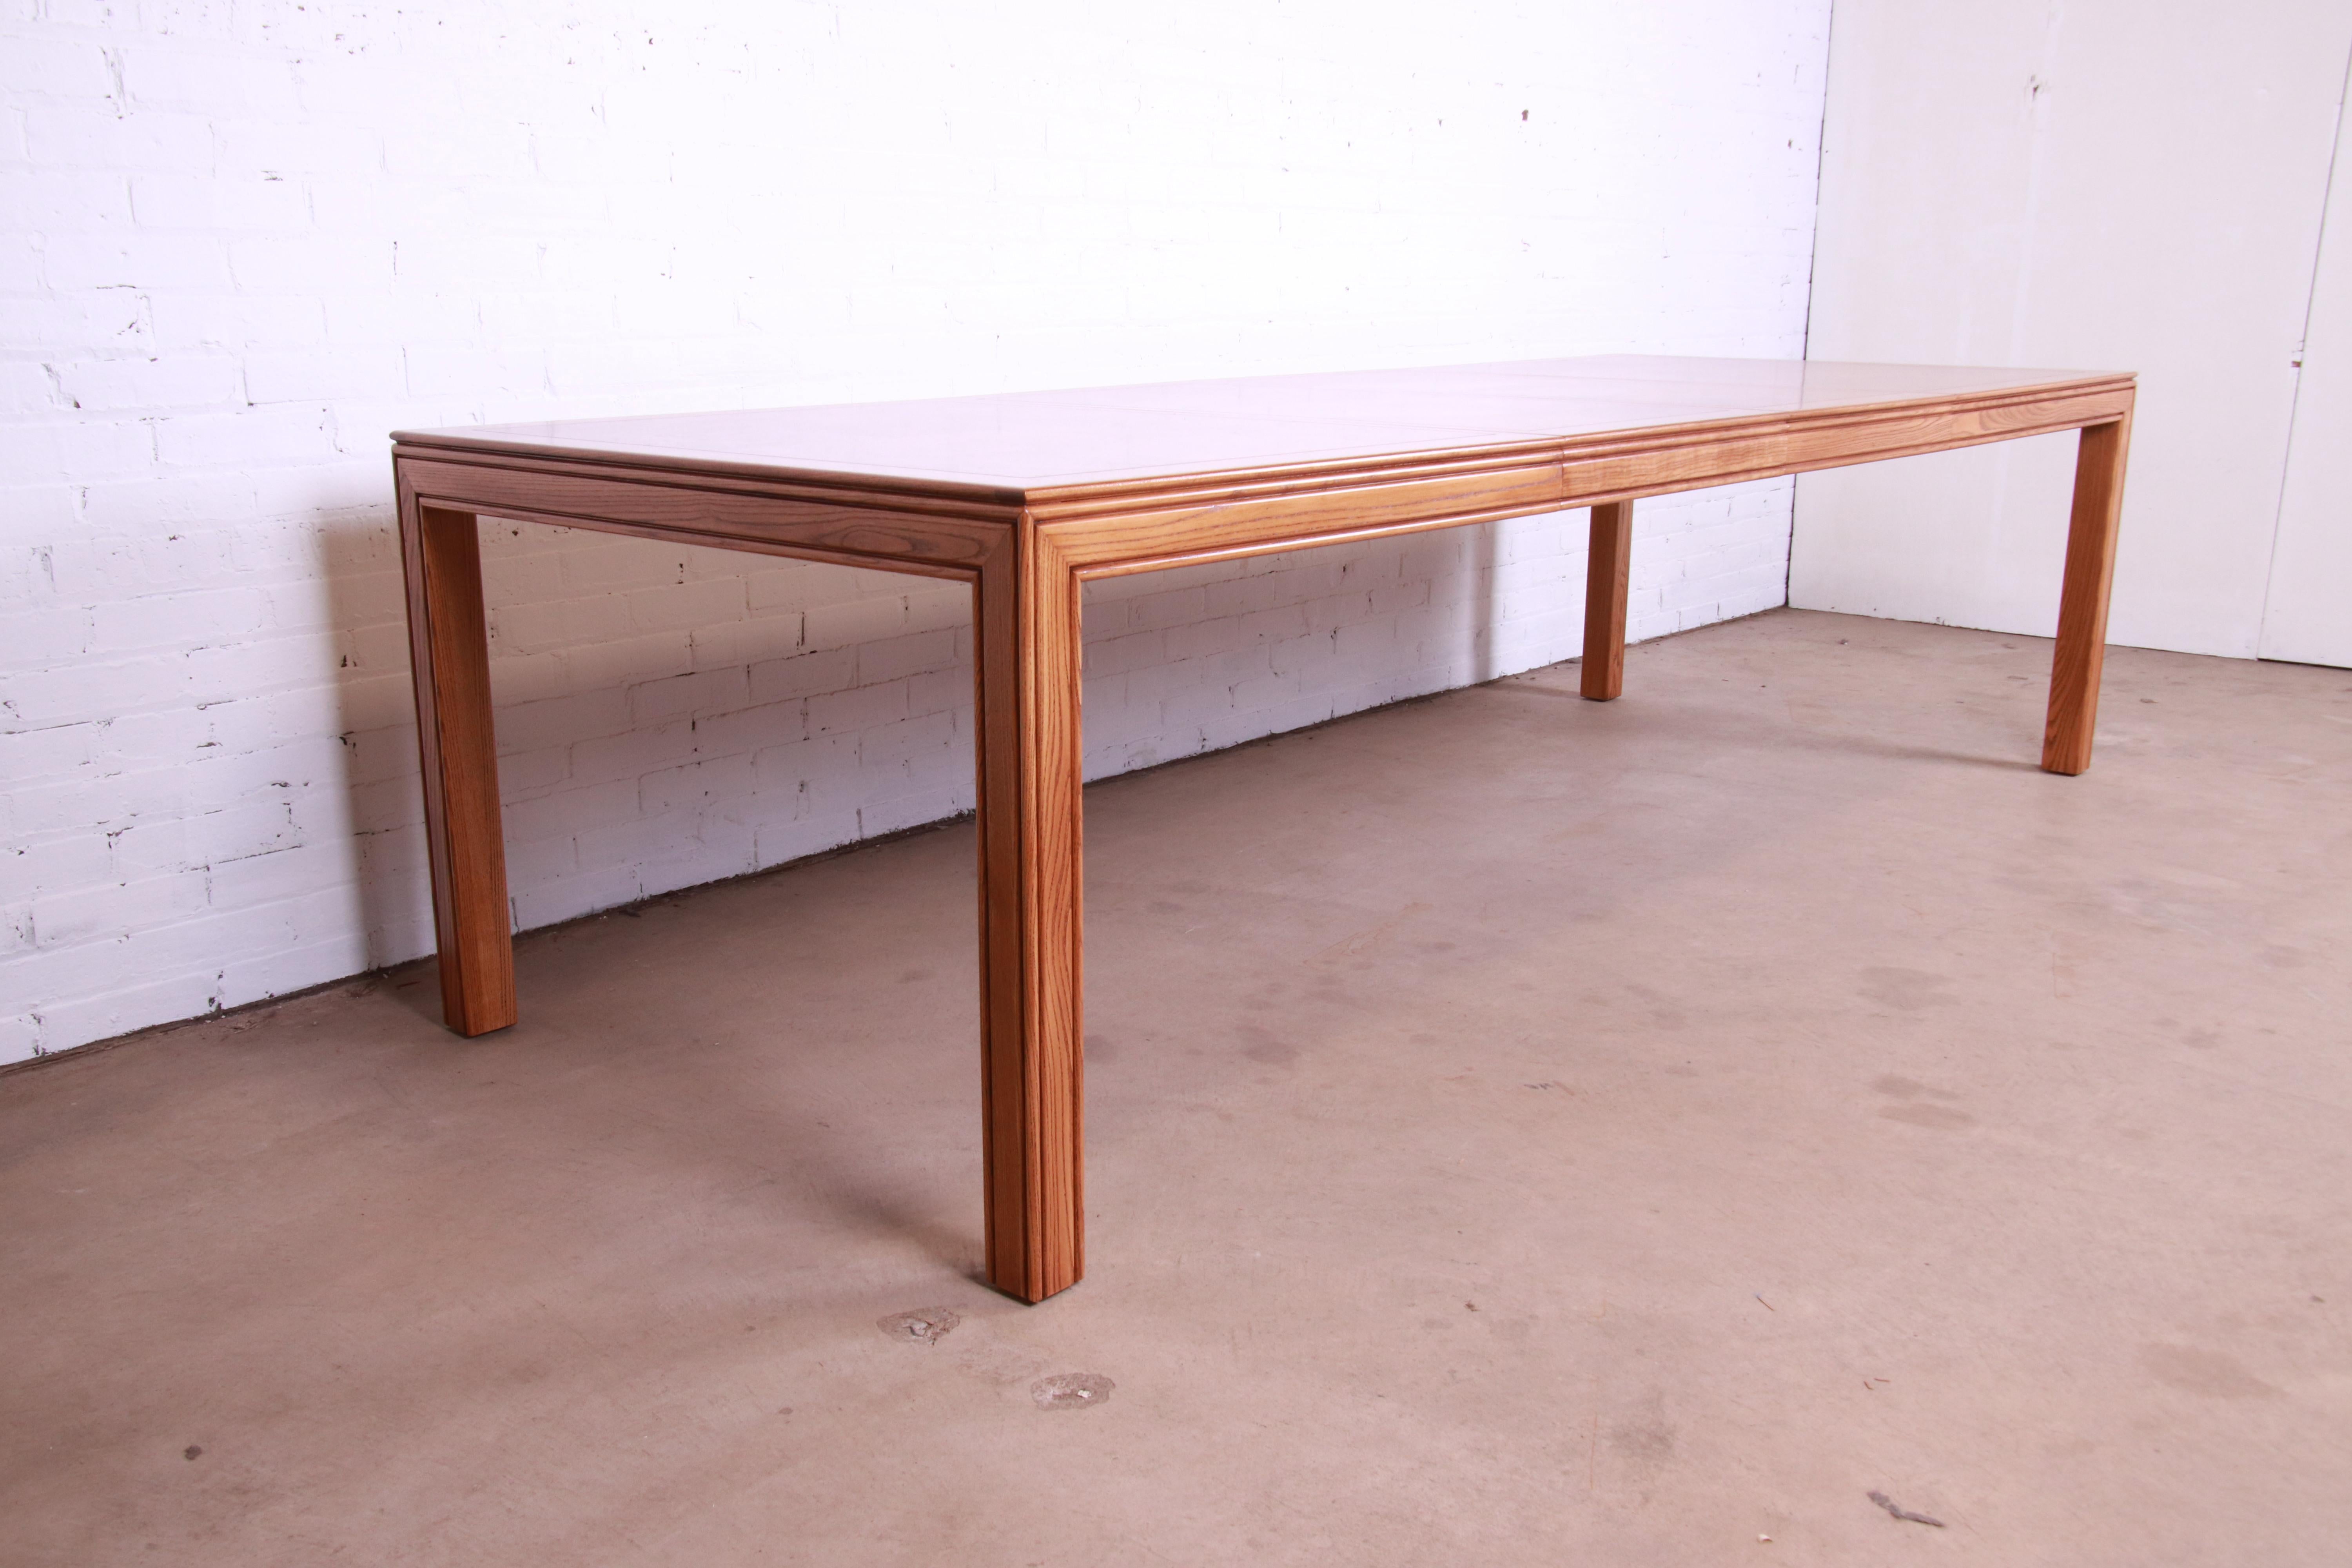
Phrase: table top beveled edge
(836,486)
(1151,493)
(893,533)
(1090,506)
(854,487)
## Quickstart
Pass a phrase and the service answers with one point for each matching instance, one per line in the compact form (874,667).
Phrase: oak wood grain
(1032,923)
(904,533)
(1271,514)
(1633,458)
(449,659)
(1662,462)
(1102,544)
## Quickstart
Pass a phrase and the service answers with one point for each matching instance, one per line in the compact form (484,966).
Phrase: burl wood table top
(1032,442)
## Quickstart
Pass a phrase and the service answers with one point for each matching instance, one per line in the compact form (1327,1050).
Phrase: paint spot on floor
(1904,990)
(1261,1047)
(1896,1085)
(924,1325)
(2209,1373)
(1071,1390)
(1644,1441)
(1663,1012)
(1897,1511)
(1941,1117)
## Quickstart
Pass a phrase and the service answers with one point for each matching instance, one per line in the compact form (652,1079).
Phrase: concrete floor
(1522,1130)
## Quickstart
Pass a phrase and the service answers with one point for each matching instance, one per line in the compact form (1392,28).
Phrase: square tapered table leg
(1026,612)
(2083,598)
(448,646)
(1608,569)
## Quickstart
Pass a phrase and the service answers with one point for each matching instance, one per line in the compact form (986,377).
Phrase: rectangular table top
(1028,442)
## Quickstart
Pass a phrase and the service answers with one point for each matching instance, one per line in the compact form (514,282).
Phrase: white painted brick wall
(246,240)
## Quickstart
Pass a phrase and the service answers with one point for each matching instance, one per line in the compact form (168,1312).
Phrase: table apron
(724,519)
(1662,465)
(1116,545)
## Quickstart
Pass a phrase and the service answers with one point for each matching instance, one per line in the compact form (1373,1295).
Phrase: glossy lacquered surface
(1045,440)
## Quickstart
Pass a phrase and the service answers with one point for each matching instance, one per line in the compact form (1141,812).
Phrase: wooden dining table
(1024,496)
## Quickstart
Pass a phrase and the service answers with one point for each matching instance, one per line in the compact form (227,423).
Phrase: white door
(2308,616)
